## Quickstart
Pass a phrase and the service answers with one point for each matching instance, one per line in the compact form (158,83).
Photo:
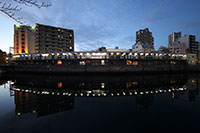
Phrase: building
(173,37)
(198,50)
(163,49)
(182,45)
(53,39)
(102,49)
(145,37)
(116,49)
(3,56)
(177,48)
(190,43)
(24,39)
(141,47)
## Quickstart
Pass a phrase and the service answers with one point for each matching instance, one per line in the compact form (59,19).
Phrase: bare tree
(10,9)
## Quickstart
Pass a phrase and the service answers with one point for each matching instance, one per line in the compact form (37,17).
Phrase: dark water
(83,104)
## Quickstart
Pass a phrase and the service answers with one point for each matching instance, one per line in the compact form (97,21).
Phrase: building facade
(145,37)
(173,37)
(116,49)
(182,45)
(53,39)
(163,49)
(24,39)
(190,43)
(178,48)
(141,47)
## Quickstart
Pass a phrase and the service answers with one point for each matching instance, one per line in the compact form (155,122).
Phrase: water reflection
(45,95)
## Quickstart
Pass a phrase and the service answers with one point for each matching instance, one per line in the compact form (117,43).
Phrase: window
(59,62)
(133,63)
(128,62)
(173,62)
(59,84)
(102,62)
(82,62)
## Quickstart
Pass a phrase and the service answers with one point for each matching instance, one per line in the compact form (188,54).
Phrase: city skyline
(101,23)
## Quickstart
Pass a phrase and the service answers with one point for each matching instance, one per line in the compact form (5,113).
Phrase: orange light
(129,62)
(59,62)
(128,84)
(59,84)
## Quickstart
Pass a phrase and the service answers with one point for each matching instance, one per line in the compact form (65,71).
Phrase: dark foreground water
(83,104)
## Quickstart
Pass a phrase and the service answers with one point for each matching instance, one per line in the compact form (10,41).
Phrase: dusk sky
(110,23)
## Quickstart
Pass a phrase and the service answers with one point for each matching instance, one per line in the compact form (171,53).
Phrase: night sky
(110,23)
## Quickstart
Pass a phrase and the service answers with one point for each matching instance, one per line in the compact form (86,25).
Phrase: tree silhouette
(10,9)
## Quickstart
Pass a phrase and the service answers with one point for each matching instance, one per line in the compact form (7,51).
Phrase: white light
(181,89)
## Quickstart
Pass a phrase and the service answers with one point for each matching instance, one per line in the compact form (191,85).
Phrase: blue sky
(110,23)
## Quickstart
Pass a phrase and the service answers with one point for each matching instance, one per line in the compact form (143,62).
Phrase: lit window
(82,63)
(173,62)
(128,84)
(59,84)
(102,62)
(59,62)
(102,85)
(135,83)
(128,62)
(58,29)
(135,63)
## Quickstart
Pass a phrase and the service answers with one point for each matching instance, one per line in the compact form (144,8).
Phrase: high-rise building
(145,37)
(173,37)
(53,39)
(24,39)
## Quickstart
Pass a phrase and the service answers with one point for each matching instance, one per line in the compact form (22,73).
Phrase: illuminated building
(24,39)
(53,39)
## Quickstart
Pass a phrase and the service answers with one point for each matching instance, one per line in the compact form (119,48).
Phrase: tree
(10,9)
